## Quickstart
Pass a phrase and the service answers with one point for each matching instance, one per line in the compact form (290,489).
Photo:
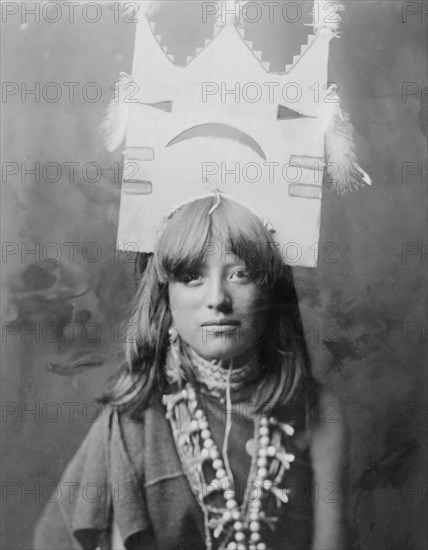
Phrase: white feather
(229,13)
(149,7)
(113,128)
(343,173)
(328,110)
(326,17)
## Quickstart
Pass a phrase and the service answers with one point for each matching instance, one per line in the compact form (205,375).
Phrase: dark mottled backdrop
(364,313)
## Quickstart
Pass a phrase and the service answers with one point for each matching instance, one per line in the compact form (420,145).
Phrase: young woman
(214,436)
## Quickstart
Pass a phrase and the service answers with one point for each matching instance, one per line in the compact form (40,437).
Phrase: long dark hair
(183,243)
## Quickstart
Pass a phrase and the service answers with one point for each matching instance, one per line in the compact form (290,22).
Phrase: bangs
(182,243)
(230,230)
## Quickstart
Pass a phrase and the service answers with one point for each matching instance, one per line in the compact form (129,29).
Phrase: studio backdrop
(66,288)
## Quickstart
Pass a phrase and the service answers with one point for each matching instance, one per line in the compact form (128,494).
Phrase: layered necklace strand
(216,377)
(195,445)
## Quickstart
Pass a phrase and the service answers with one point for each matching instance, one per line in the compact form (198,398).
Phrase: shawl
(128,468)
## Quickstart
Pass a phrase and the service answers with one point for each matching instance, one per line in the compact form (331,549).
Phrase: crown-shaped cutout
(291,31)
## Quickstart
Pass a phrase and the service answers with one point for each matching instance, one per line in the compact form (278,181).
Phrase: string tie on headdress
(217,196)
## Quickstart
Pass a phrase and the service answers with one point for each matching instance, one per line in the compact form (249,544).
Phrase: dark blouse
(129,468)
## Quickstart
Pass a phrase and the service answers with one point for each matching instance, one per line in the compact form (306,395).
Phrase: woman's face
(217,309)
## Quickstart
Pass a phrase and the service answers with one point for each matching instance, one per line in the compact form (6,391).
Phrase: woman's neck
(215,374)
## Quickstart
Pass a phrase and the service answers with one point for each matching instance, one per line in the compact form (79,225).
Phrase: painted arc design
(223,131)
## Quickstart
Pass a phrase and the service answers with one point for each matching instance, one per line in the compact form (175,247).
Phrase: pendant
(250,447)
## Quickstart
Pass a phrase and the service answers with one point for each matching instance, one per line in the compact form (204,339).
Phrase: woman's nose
(218,296)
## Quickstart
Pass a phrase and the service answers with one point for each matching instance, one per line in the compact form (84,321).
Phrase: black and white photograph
(213,274)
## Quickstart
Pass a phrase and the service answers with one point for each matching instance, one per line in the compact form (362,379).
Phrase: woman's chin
(223,351)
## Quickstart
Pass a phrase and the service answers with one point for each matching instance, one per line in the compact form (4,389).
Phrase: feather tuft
(229,13)
(326,17)
(113,128)
(342,172)
(149,7)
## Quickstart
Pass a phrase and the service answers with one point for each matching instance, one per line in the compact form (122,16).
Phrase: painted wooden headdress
(220,121)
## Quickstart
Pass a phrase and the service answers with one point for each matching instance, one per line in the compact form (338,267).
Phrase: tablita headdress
(222,121)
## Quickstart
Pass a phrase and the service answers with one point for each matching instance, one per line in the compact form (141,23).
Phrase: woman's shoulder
(56,527)
(83,506)
(327,426)
(94,445)
(326,407)
(327,434)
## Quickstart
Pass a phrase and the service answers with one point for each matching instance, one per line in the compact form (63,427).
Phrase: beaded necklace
(216,377)
(232,527)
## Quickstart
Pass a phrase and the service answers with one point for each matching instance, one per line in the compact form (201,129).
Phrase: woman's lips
(214,327)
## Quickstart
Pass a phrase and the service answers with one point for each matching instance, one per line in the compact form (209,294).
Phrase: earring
(173,358)
(173,334)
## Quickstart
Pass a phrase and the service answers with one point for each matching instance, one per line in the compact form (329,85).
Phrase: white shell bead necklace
(246,527)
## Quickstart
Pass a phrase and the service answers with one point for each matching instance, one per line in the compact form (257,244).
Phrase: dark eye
(240,275)
(189,277)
